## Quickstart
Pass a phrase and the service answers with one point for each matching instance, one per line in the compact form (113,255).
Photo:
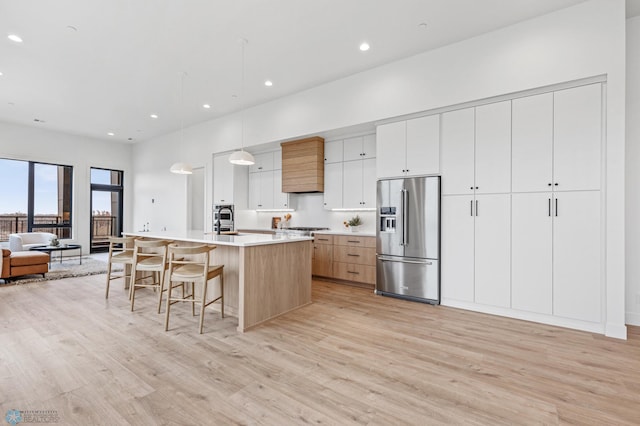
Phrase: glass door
(106,207)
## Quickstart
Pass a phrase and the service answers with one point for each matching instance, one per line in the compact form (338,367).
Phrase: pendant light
(242,157)
(180,167)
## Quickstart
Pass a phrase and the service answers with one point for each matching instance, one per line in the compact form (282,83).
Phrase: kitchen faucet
(218,221)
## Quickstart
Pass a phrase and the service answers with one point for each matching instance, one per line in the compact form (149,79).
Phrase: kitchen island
(264,275)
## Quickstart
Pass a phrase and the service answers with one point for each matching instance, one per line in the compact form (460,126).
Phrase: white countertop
(241,240)
(346,232)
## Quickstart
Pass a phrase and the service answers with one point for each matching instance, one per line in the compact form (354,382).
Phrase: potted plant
(353,224)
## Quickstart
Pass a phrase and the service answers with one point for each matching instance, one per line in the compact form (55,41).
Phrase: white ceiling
(124,58)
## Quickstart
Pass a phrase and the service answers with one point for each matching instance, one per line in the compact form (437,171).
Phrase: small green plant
(354,221)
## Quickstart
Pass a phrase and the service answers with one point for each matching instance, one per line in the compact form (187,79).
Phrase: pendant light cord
(244,42)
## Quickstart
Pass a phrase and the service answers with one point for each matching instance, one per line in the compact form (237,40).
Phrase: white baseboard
(632,318)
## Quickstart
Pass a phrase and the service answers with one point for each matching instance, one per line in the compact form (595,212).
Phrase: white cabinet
(423,146)
(493,148)
(577,136)
(359,148)
(261,190)
(557,140)
(457,156)
(265,183)
(476,150)
(457,248)
(333,152)
(333,186)
(476,249)
(556,254)
(390,149)
(532,143)
(350,184)
(264,162)
(531,252)
(281,200)
(492,214)
(577,289)
(408,148)
(359,184)
(230,182)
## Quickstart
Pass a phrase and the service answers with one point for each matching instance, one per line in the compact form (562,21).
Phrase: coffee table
(60,248)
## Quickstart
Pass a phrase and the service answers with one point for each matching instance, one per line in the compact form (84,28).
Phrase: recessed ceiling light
(153,116)
(111,134)
(422,25)
(268,83)
(206,106)
(364,46)
(14,37)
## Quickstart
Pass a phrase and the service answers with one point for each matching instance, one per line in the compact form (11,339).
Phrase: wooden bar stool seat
(191,265)
(120,252)
(149,256)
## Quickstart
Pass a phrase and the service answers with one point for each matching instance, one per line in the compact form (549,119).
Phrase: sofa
(15,264)
(25,240)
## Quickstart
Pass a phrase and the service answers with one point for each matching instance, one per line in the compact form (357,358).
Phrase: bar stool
(149,256)
(120,252)
(191,265)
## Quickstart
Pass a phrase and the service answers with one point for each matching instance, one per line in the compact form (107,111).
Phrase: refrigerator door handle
(405,216)
(415,262)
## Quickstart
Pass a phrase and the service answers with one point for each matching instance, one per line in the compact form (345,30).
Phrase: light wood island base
(261,281)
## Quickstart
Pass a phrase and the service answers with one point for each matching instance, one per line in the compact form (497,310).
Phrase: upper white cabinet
(532,143)
(261,190)
(333,152)
(230,182)
(333,186)
(408,148)
(557,138)
(264,162)
(359,148)
(476,150)
(351,182)
(359,184)
(577,137)
(457,156)
(265,183)
(493,148)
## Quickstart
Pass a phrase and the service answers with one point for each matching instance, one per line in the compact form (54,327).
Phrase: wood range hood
(303,165)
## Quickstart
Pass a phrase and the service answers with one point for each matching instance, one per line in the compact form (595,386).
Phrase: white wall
(32,144)
(633,172)
(577,42)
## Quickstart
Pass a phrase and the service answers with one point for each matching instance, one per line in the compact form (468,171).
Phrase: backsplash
(309,212)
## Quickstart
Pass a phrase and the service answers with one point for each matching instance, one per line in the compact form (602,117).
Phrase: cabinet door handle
(353,272)
(323,239)
(353,255)
(549,204)
(353,241)
(556,207)
(476,207)
(471,207)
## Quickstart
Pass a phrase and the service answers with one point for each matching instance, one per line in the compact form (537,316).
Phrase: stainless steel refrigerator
(408,238)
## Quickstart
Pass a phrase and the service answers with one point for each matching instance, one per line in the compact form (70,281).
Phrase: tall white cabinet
(521,207)
(476,161)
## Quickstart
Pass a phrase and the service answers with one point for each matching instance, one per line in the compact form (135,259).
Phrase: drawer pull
(353,241)
(353,255)
(323,239)
(353,272)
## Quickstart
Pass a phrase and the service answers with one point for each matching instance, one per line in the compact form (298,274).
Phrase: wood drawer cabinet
(345,257)
(322,263)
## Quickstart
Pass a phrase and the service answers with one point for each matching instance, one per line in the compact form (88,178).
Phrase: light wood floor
(349,358)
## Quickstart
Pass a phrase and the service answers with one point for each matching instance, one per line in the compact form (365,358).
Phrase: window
(106,207)
(38,199)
